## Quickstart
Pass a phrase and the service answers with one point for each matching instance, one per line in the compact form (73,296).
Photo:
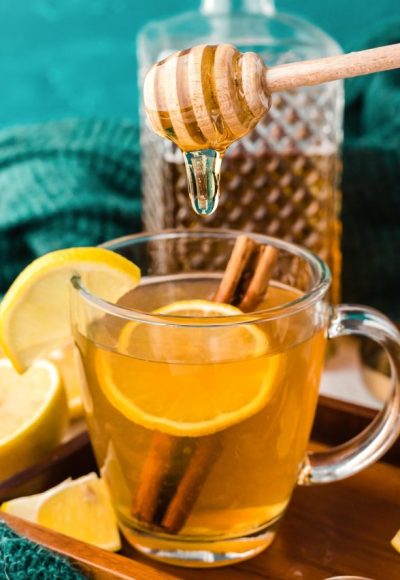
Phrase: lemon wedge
(212,377)
(33,415)
(79,508)
(396,541)
(34,314)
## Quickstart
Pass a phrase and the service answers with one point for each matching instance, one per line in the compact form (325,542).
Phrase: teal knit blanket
(65,184)
(371,184)
(21,559)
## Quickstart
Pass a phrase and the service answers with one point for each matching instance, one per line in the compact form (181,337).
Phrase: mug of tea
(200,388)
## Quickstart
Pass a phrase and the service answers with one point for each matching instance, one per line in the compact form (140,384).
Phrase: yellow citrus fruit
(396,541)
(65,361)
(79,508)
(219,376)
(34,314)
(33,415)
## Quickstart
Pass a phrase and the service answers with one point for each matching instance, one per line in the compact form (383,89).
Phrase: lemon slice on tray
(396,541)
(33,415)
(212,377)
(34,314)
(79,508)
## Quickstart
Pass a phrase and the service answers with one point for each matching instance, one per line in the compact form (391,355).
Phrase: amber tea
(236,403)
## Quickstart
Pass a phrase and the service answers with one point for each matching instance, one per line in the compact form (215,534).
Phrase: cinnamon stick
(154,471)
(244,283)
(234,278)
(258,285)
(189,487)
(247,274)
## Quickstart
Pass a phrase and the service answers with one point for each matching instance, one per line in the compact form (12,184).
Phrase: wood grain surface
(71,459)
(337,421)
(97,564)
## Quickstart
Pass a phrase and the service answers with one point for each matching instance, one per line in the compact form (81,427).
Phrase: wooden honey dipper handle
(321,70)
(206,97)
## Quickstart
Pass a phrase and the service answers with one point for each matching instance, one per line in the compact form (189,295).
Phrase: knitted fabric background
(371,183)
(65,183)
(21,559)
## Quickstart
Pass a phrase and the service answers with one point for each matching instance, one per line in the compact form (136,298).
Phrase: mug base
(200,554)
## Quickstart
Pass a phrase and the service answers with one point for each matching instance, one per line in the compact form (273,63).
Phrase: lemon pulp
(78,508)
(33,415)
(189,380)
(34,314)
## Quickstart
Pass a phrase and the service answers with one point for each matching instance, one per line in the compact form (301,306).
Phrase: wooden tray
(341,528)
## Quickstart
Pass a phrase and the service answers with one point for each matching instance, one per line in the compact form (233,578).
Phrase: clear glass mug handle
(367,447)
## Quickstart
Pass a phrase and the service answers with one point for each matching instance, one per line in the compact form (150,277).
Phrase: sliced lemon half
(33,415)
(190,380)
(79,508)
(34,314)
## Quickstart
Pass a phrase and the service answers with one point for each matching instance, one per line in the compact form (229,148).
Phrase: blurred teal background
(76,58)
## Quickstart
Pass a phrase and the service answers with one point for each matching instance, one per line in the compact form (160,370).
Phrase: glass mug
(200,423)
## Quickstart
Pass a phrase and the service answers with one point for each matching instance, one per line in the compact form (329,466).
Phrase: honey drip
(204,99)
(203,173)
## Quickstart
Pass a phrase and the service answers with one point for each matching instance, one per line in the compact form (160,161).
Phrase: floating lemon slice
(203,344)
(213,376)
(33,415)
(34,314)
(79,508)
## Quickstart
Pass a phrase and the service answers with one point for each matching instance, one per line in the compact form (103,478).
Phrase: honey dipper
(207,97)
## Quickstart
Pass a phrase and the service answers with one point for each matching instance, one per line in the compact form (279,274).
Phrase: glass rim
(309,298)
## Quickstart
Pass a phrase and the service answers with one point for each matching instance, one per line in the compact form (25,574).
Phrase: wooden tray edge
(92,561)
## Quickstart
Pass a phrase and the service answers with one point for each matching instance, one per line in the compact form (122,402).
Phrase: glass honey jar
(283,178)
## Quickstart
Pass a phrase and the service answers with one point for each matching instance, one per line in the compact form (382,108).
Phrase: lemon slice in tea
(190,380)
